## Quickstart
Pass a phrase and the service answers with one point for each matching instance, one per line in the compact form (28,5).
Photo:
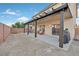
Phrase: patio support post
(35,28)
(28,30)
(61,36)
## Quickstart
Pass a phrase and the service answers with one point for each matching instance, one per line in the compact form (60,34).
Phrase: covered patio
(54,16)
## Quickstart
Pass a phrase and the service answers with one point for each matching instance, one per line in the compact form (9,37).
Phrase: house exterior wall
(71,23)
(48,24)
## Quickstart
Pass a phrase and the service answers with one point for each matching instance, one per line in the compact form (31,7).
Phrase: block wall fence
(4,32)
(18,30)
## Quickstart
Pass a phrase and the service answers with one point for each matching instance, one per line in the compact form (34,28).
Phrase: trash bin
(66,36)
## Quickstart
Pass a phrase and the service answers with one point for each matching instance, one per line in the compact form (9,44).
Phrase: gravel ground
(21,45)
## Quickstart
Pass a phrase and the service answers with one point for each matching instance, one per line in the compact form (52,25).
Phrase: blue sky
(11,13)
(14,12)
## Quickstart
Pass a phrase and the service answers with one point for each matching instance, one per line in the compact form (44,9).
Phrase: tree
(18,25)
(13,26)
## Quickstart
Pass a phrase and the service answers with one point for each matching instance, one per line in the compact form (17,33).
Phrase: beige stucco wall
(70,23)
(48,21)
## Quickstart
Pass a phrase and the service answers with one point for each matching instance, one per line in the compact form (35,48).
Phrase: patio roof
(45,13)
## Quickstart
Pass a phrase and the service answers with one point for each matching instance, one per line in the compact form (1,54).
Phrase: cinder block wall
(4,32)
(18,30)
(1,33)
(7,31)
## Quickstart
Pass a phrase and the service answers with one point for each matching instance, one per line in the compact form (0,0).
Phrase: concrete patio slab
(53,40)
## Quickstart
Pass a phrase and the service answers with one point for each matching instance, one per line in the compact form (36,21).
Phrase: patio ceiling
(55,17)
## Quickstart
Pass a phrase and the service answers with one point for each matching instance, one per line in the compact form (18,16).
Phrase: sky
(11,13)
